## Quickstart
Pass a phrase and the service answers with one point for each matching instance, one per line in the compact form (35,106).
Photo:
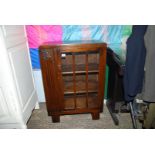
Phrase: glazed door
(83,79)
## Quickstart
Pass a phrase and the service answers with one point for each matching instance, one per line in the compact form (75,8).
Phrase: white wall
(39,85)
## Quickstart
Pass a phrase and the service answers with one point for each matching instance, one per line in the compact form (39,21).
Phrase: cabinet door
(52,78)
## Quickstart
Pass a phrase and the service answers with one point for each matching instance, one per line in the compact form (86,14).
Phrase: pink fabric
(86,33)
(105,33)
(38,34)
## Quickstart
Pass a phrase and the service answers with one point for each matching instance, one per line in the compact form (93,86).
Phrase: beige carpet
(40,120)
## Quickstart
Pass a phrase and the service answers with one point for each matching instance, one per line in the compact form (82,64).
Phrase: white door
(8,99)
(21,70)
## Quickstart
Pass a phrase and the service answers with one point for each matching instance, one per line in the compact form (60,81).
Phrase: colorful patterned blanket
(114,35)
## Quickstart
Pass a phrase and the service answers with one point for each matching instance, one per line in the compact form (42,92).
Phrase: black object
(115,91)
(116,102)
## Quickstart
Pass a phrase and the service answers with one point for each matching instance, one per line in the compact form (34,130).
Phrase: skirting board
(13,126)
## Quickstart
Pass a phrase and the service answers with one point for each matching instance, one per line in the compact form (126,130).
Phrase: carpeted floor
(40,120)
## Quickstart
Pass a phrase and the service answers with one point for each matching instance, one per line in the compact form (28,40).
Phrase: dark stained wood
(102,68)
(73,83)
(80,69)
(52,79)
(80,92)
(55,118)
(95,115)
(87,79)
(74,79)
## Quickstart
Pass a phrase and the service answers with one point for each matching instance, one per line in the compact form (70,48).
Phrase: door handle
(46,55)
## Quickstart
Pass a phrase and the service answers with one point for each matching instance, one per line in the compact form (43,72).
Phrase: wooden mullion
(87,79)
(80,92)
(80,72)
(74,78)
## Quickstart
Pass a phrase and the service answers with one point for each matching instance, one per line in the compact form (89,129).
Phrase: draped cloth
(149,80)
(135,61)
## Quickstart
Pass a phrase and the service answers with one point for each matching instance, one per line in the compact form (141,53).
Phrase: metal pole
(133,115)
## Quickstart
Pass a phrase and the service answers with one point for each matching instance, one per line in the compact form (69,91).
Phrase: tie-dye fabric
(114,35)
(37,35)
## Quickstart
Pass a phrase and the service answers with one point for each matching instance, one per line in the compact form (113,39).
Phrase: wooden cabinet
(73,77)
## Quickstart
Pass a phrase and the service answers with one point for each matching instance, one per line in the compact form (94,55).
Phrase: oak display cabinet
(73,77)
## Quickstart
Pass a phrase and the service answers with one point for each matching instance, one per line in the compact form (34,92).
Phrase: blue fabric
(96,32)
(115,34)
(72,32)
(135,60)
(34,53)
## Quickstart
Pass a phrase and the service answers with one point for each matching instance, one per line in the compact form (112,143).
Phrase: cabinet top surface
(72,43)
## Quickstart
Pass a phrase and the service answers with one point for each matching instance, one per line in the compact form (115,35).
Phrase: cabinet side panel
(51,80)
